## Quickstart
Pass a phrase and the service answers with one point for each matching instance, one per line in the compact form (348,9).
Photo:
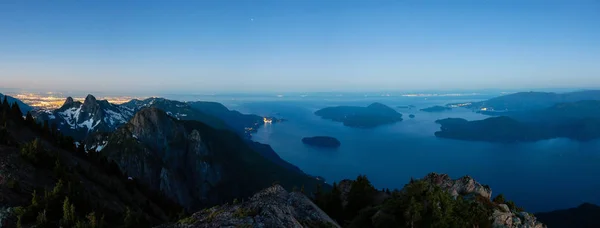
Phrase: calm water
(540,176)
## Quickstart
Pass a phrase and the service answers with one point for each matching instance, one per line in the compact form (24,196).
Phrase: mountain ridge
(176,156)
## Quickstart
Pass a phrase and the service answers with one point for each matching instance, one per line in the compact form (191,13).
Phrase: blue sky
(294,45)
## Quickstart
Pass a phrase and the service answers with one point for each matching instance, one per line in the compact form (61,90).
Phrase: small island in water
(373,115)
(406,106)
(436,108)
(322,141)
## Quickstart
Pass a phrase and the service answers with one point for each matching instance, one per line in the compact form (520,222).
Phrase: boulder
(271,207)
(463,186)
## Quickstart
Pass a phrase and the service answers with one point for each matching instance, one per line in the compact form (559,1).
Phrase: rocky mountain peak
(150,117)
(90,100)
(463,186)
(68,101)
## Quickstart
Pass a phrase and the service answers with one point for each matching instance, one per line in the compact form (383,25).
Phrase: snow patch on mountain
(88,124)
(100,147)
(113,117)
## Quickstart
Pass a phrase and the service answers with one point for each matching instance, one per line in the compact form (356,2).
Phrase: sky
(298,45)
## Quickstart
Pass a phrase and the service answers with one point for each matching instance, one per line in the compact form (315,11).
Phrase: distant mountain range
(524,101)
(79,119)
(578,119)
(93,120)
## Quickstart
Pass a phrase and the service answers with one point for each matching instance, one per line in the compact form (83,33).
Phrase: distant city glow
(50,100)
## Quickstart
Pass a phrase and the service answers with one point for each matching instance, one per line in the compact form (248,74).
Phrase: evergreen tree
(5,104)
(42,218)
(68,217)
(16,111)
(499,199)
(360,196)
(29,120)
(34,198)
(129,219)
(413,212)
(46,129)
(92,221)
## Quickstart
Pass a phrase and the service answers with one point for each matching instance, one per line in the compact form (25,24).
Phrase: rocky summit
(462,186)
(271,207)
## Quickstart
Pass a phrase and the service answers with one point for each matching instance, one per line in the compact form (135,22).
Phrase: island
(578,121)
(371,116)
(322,141)
(436,108)
(526,101)
(411,116)
(406,106)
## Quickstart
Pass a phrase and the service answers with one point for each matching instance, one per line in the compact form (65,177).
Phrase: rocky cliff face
(272,207)
(192,163)
(157,150)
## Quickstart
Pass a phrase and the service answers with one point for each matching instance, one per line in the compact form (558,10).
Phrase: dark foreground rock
(272,207)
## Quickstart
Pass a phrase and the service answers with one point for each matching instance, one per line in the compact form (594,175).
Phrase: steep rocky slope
(271,207)
(42,173)
(192,163)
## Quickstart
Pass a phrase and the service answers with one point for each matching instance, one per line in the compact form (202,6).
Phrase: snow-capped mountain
(78,119)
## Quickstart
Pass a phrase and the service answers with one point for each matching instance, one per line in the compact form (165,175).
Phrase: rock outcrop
(271,207)
(463,186)
(502,215)
(477,196)
(157,150)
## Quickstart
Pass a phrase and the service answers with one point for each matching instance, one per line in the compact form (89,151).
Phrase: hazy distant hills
(374,115)
(579,120)
(236,120)
(177,109)
(523,101)
(24,107)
